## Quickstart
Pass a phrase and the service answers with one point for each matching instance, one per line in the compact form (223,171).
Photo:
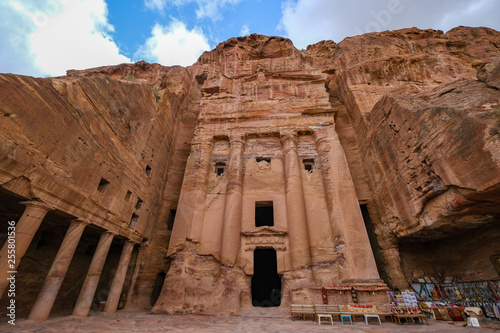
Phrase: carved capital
(324,136)
(107,233)
(288,134)
(80,222)
(237,140)
(37,205)
(203,141)
(288,140)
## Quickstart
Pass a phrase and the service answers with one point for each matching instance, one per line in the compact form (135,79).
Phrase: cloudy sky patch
(48,37)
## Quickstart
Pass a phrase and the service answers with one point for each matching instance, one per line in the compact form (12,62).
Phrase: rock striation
(360,164)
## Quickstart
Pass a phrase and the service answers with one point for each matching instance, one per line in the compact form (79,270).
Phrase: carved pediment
(265,230)
(263,237)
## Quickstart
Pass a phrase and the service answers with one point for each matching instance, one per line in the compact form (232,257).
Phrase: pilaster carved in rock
(295,205)
(231,239)
(343,206)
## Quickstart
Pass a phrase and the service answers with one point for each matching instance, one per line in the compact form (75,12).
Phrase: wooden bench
(385,312)
(313,311)
(410,313)
(362,310)
(303,311)
(419,316)
(324,309)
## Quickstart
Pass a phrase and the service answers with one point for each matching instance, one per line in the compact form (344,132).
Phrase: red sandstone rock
(405,122)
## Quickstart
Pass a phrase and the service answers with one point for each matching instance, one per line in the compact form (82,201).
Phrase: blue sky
(46,38)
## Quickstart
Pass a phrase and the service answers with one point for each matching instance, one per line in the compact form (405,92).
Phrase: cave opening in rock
(160,279)
(264,213)
(464,254)
(266,282)
(372,237)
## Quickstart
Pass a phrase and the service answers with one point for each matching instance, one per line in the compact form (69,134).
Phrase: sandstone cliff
(417,113)
(423,107)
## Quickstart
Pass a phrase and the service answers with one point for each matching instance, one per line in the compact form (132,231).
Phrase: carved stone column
(231,229)
(295,206)
(89,287)
(57,272)
(25,230)
(191,208)
(343,206)
(117,284)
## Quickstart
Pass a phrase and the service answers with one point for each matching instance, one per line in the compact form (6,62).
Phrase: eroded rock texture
(260,150)
(424,109)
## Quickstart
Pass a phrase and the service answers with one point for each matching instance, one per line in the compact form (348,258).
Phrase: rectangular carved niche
(264,213)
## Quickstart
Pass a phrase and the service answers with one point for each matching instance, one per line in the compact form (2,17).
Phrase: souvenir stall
(448,299)
(352,291)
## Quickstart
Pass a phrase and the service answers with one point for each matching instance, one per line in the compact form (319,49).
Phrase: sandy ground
(145,322)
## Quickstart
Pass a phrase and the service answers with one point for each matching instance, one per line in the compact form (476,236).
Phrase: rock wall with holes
(105,147)
(421,123)
(366,163)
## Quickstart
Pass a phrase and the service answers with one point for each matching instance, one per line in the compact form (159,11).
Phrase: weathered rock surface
(412,126)
(425,127)
(61,136)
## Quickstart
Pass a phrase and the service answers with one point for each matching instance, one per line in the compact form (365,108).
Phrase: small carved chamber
(264,213)
(308,164)
(220,168)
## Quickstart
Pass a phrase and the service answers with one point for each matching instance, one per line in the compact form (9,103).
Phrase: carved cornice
(264,231)
(265,237)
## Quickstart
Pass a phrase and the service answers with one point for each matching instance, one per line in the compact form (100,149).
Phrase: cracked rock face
(414,121)
(424,109)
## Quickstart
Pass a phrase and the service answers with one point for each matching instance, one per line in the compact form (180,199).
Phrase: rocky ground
(145,322)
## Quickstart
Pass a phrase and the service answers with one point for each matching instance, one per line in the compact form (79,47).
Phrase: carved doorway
(266,282)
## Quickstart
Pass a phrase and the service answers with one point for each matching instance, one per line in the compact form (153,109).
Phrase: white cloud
(206,8)
(156,4)
(244,30)
(309,21)
(173,45)
(59,35)
(211,8)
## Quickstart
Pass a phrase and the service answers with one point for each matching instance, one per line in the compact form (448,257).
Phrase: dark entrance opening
(264,213)
(160,278)
(372,236)
(266,282)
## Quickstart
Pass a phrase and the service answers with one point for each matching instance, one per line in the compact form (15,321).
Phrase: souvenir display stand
(447,300)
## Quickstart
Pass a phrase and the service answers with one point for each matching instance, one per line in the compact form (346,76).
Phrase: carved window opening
(148,170)
(133,220)
(266,282)
(128,195)
(139,203)
(220,167)
(261,158)
(103,184)
(171,219)
(308,164)
(264,213)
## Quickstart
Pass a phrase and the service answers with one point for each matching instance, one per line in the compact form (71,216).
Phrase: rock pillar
(191,208)
(397,278)
(117,284)
(343,206)
(89,287)
(57,272)
(231,229)
(300,251)
(25,230)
